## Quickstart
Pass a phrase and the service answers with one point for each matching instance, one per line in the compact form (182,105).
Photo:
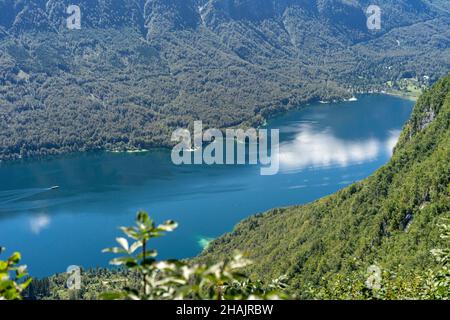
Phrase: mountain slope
(389,219)
(138,69)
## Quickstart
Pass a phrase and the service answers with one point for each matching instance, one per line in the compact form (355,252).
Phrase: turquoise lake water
(323,148)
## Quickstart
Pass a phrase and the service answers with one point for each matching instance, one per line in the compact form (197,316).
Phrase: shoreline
(202,241)
(136,151)
(403,95)
(130,151)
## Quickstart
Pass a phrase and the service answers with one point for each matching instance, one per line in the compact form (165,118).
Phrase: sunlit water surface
(324,147)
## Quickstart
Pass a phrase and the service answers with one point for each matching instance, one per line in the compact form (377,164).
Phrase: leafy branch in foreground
(11,275)
(167,280)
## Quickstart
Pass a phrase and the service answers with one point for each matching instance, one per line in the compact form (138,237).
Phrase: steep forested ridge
(389,219)
(138,69)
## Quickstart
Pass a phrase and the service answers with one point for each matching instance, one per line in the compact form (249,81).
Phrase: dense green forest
(389,220)
(143,277)
(139,69)
(397,222)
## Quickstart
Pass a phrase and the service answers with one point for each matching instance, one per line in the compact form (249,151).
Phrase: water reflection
(39,223)
(101,191)
(315,149)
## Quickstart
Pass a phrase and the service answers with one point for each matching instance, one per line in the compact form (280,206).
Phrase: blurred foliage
(13,277)
(168,280)
(140,276)
(140,279)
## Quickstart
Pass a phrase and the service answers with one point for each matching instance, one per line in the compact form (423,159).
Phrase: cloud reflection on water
(39,223)
(312,149)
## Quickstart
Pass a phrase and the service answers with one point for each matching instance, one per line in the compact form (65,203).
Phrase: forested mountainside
(396,220)
(389,220)
(138,69)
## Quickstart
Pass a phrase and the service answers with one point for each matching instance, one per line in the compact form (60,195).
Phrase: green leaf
(26,283)
(123,261)
(124,243)
(21,272)
(135,246)
(168,226)
(131,232)
(143,218)
(15,258)
(3,266)
(148,254)
(115,250)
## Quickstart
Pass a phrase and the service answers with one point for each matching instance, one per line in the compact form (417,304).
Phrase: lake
(323,148)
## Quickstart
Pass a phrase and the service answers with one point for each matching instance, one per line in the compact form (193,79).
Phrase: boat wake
(13,199)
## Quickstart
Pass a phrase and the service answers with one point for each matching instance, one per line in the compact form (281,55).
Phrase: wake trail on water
(10,196)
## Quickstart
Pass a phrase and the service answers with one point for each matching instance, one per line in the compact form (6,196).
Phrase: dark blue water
(324,147)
